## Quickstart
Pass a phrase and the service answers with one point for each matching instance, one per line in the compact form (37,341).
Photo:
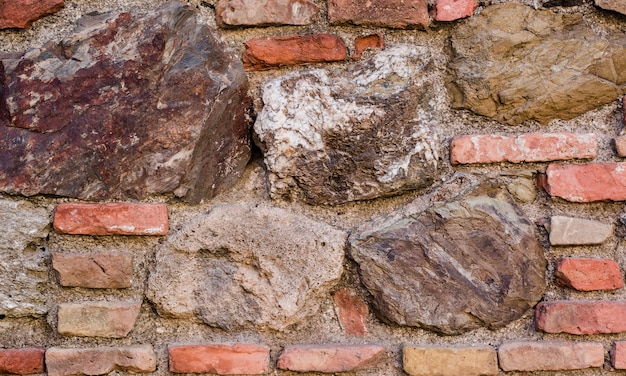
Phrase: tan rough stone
(550,356)
(578,231)
(98,271)
(98,319)
(100,360)
(265,12)
(614,5)
(330,358)
(449,361)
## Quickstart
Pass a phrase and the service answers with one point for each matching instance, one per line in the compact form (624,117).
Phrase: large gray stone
(513,64)
(451,266)
(244,265)
(129,105)
(333,137)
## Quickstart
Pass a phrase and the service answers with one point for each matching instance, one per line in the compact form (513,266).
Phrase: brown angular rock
(21,14)
(514,64)
(330,358)
(98,319)
(99,271)
(129,105)
(265,12)
(468,262)
(100,360)
(385,13)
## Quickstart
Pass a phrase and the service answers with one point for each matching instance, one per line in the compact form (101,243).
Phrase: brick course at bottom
(222,359)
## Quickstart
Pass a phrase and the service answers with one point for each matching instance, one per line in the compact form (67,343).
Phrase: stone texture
(265,12)
(514,64)
(618,355)
(585,274)
(452,262)
(523,189)
(25,361)
(111,219)
(273,52)
(352,312)
(98,319)
(330,358)
(384,13)
(100,360)
(614,5)
(581,317)
(241,266)
(451,10)
(449,361)
(129,105)
(587,182)
(96,270)
(372,41)
(550,356)
(369,132)
(620,145)
(22,263)
(578,231)
(221,359)
(531,147)
(21,14)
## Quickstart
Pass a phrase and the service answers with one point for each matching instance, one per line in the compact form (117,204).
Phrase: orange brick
(221,359)
(587,182)
(585,274)
(581,317)
(24,361)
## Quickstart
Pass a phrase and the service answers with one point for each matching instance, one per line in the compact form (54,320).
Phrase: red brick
(98,270)
(618,355)
(373,41)
(620,145)
(450,10)
(386,13)
(581,317)
(352,312)
(98,319)
(111,219)
(26,361)
(588,182)
(330,358)
(550,356)
(249,359)
(586,274)
(266,53)
(532,147)
(21,14)
(100,360)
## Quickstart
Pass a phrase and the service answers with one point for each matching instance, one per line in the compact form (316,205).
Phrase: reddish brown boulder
(21,14)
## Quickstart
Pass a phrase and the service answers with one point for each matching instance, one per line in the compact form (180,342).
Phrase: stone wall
(301,187)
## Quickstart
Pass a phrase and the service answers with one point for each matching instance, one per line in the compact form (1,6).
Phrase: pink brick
(532,147)
(111,219)
(330,358)
(249,359)
(618,355)
(587,182)
(98,270)
(26,361)
(450,10)
(550,356)
(373,41)
(385,13)
(581,317)
(352,312)
(586,274)
(100,360)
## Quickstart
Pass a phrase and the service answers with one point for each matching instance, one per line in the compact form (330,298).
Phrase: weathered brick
(581,317)
(620,145)
(618,355)
(265,12)
(586,274)
(98,270)
(373,41)
(25,361)
(532,147)
(221,359)
(578,231)
(450,10)
(550,356)
(111,219)
(386,13)
(266,53)
(330,358)
(587,182)
(352,312)
(449,361)
(100,360)
(21,14)
(98,319)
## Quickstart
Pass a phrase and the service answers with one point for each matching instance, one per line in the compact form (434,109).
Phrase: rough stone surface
(352,312)
(23,267)
(265,12)
(581,317)
(578,231)
(243,265)
(449,361)
(98,319)
(25,361)
(523,189)
(272,52)
(614,5)
(362,134)
(330,358)
(111,219)
(618,355)
(100,360)
(131,104)
(620,146)
(97,270)
(550,356)
(585,274)
(372,41)
(385,13)
(471,261)
(21,14)
(587,182)
(513,64)
(220,359)
(451,10)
